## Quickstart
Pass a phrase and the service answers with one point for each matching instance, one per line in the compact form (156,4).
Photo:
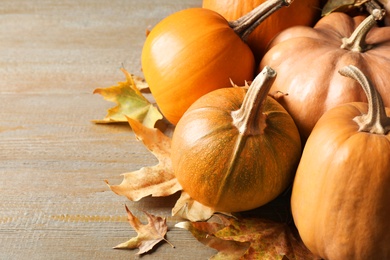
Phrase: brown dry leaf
(188,208)
(130,102)
(341,5)
(250,238)
(148,235)
(158,180)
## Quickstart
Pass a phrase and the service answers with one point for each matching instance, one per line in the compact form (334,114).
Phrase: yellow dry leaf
(130,102)
(158,180)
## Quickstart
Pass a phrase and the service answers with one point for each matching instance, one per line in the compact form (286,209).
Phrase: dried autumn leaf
(148,235)
(341,5)
(250,238)
(158,180)
(130,102)
(188,208)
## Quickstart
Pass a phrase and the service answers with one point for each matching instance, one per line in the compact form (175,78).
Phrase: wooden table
(53,159)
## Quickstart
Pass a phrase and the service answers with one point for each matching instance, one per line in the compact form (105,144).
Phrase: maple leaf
(158,180)
(148,235)
(130,102)
(250,238)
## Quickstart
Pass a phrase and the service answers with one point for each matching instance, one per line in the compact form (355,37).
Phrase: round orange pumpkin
(307,60)
(300,12)
(235,150)
(195,51)
(340,197)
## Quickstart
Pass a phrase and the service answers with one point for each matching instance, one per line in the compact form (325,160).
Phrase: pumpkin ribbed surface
(340,197)
(221,168)
(300,12)
(307,60)
(189,54)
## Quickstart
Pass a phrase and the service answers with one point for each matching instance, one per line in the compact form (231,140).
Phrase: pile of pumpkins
(312,111)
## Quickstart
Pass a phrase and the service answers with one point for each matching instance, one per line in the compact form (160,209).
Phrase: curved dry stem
(357,41)
(246,118)
(375,121)
(246,24)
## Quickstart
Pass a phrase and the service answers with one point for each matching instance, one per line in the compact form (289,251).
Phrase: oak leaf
(249,238)
(158,180)
(148,235)
(130,102)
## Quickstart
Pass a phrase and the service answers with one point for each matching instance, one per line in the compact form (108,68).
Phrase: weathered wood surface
(53,160)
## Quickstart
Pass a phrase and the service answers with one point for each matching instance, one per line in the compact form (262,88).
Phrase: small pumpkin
(195,51)
(263,34)
(340,196)
(307,60)
(235,150)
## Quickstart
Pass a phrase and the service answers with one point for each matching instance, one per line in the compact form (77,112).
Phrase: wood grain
(53,160)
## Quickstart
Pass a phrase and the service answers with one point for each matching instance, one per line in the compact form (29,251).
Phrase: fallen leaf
(148,235)
(158,180)
(188,208)
(250,238)
(341,5)
(228,249)
(130,102)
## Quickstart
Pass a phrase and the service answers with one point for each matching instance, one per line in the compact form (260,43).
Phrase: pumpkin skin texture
(300,12)
(340,196)
(307,60)
(229,169)
(189,54)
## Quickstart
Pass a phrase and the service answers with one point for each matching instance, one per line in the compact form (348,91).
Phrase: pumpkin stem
(247,117)
(375,121)
(357,41)
(245,25)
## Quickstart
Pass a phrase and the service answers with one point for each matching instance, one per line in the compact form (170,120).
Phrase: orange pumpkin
(307,60)
(300,12)
(195,51)
(340,197)
(235,150)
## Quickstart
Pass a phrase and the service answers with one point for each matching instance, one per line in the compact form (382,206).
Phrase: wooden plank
(53,160)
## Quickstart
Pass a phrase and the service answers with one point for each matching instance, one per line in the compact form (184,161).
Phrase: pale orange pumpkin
(300,12)
(195,51)
(235,150)
(341,192)
(307,60)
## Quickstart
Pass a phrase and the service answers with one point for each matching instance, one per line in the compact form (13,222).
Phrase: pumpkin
(235,150)
(300,12)
(340,196)
(195,51)
(307,60)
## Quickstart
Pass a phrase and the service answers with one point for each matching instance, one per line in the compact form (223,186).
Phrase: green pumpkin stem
(247,117)
(245,25)
(357,41)
(375,121)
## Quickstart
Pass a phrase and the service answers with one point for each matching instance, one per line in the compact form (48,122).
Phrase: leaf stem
(246,24)
(166,240)
(375,121)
